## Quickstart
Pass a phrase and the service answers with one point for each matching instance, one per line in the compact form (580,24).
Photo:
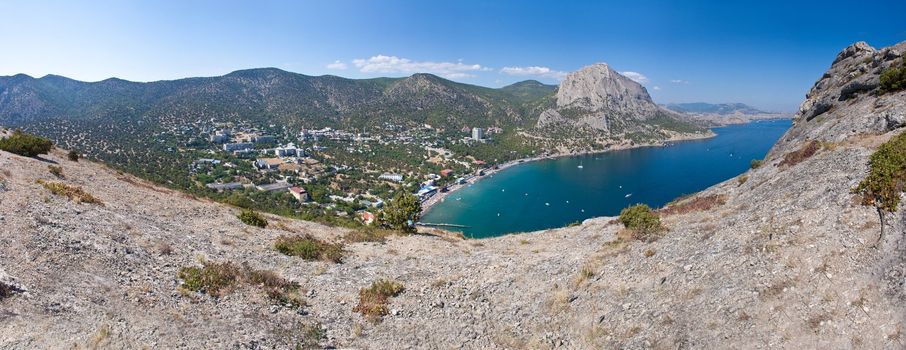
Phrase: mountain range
(271,95)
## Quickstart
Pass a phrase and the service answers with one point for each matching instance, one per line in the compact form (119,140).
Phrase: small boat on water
(628,195)
(580,167)
(547,204)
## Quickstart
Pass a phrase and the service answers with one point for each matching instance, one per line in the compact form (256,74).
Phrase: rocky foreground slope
(784,256)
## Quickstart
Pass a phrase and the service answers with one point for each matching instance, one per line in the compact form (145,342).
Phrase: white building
(391,177)
(477,134)
(285,151)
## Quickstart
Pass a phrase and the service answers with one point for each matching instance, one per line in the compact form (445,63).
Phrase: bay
(556,192)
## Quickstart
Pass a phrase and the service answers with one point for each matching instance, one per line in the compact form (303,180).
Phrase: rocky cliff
(783,256)
(597,97)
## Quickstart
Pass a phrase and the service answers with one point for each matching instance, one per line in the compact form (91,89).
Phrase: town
(342,173)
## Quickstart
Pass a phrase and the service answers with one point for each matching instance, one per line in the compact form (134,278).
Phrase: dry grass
(368,234)
(74,193)
(56,170)
(702,203)
(218,279)
(585,274)
(374,299)
(309,248)
(805,152)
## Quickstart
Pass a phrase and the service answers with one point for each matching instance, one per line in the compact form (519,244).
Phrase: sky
(763,53)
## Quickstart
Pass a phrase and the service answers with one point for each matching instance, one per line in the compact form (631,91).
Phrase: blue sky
(763,53)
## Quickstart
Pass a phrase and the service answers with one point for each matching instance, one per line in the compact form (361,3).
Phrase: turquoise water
(554,193)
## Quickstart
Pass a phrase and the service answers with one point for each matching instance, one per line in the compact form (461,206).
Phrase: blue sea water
(554,193)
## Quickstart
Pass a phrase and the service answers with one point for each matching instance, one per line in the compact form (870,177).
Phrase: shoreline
(439,197)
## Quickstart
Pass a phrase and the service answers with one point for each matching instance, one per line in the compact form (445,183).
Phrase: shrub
(217,279)
(24,144)
(56,170)
(756,163)
(276,288)
(367,234)
(806,151)
(252,218)
(373,300)
(7,290)
(642,221)
(309,248)
(402,212)
(75,193)
(700,203)
(886,175)
(73,156)
(212,278)
(893,79)
(742,180)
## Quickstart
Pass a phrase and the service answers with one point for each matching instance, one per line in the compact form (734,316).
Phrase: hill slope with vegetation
(804,251)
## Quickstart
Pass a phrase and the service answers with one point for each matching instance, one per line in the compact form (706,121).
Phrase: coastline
(439,197)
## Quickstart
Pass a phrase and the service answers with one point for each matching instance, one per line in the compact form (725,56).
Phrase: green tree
(24,144)
(402,212)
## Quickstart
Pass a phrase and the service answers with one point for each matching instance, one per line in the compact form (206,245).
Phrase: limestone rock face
(597,88)
(843,103)
(597,99)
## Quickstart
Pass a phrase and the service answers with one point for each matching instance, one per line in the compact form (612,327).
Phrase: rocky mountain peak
(598,87)
(845,101)
(599,98)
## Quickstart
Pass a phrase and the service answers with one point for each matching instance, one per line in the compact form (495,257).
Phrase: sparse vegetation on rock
(893,79)
(806,151)
(218,279)
(368,234)
(886,178)
(309,248)
(699,203)
(56,170)
(252,218)
(373,300)
(74,193)
(25,144)
(756,163)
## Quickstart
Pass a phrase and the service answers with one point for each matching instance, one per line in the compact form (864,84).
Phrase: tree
(402,212)
(24,144)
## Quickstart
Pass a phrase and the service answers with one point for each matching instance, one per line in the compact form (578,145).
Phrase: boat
(628,195)
(580,167)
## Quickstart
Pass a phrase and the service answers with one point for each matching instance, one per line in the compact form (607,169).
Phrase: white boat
(580,167)
(628,195)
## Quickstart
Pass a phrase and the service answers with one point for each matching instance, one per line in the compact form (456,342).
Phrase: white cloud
(656,88)
(534,70)
(679,81)
(393,64)
(636,76)
(337,65)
